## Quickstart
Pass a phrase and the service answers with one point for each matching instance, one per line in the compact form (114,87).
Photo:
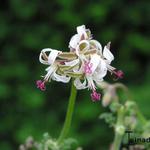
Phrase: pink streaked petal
(87,68)
(118,74)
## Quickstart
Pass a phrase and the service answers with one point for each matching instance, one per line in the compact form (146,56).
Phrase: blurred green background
(26,27)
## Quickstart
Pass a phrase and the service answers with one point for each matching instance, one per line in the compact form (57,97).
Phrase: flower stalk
(68,119)
(141,117)
(119,129)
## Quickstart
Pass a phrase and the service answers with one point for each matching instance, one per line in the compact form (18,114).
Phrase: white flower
(100,63)
(86,62)
(93,73)
(53,66)
(82,34)
(94,63)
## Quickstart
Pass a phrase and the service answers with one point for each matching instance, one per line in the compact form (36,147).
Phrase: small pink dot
(87,68)
(41,85)
(118,74)
(95,96)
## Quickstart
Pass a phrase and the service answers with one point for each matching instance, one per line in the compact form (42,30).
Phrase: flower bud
(120,129)
(106,99)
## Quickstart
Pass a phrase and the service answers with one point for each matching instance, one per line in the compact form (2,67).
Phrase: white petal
(91,84)
(107,54)
(102,68)
(41,54)
(97,45)
(52,56)
(74,41)
(50,71)
(72,63)
(79,85)
(111,67)
(95,59)
(60,78)
(100,72)
(98,81)
(46,50)
(81,30)
(97,76)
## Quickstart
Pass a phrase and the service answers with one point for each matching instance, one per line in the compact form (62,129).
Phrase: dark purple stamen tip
(118,74)
(41,85)
(95,96)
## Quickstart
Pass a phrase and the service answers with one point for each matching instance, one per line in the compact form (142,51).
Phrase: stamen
(95,96)
(41,85)
(87,68)
(118,74)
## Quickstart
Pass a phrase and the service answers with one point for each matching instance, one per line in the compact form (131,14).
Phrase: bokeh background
(26,27)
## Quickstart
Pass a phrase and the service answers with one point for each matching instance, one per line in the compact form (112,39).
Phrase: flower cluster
(86,62)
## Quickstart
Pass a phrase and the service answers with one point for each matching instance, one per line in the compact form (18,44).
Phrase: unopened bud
(120,129)
(106,99)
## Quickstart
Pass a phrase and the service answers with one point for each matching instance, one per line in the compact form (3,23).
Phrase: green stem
(69,114)
(117,142)
(141,117)
(119,130)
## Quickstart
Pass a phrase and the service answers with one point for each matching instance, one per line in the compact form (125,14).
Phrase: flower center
(87,67)
(41,85)
(95,96)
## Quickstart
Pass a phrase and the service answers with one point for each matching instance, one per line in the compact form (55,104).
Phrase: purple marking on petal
(88,67)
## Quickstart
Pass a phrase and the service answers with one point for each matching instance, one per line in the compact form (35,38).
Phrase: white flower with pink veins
(86,62)
(95,65)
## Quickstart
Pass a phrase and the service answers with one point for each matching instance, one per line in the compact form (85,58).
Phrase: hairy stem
(119,129)
(141,117)
(69,114)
